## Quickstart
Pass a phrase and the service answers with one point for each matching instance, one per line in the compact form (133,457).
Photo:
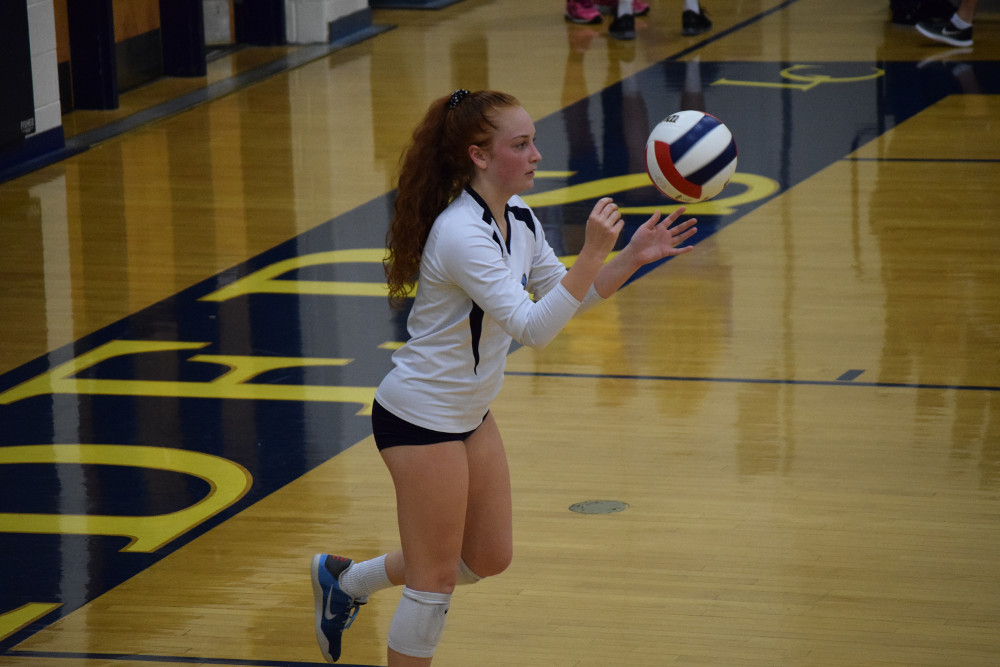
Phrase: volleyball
(690,156)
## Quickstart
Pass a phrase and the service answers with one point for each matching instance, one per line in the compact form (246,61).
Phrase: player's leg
(967,10)
(432,485)
(488,541)
(488,544)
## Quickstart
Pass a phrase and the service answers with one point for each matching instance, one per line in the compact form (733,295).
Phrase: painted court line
(56,655)
(840,382)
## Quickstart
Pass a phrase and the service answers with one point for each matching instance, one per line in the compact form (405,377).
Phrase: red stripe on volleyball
(666,165)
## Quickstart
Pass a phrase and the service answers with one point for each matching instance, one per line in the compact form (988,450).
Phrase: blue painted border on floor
(716,36)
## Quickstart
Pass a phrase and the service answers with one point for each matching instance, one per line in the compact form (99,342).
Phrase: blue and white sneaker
(335,609)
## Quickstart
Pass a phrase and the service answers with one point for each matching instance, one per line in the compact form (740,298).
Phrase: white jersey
(473,298)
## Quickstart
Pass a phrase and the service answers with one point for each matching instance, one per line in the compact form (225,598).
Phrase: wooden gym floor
(801,419)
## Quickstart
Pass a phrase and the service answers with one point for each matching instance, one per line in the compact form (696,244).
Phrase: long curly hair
(433,171)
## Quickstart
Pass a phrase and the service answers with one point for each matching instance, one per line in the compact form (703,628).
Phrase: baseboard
(139,59)
(411,4)
(346,26)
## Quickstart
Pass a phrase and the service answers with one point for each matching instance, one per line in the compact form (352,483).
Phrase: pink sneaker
(639,8)
(582,11)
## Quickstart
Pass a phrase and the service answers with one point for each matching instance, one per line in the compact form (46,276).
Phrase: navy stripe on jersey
(487,217)
(476,329)
(524,215)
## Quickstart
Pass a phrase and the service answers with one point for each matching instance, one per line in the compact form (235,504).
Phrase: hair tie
(457,97)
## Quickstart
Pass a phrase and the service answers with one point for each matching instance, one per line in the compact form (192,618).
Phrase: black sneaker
(946,32)
(623,27)
(695,23)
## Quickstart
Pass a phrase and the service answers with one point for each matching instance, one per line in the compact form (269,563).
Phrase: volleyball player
(694,19)
(479,253)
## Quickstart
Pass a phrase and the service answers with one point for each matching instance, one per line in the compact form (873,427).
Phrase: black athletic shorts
(391,431)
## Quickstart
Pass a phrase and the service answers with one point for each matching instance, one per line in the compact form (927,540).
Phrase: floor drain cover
(599,507)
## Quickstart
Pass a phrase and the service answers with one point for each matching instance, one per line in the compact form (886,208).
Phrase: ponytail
(433,171)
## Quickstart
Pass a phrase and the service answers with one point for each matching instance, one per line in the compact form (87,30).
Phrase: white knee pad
(419,620)
(465,575)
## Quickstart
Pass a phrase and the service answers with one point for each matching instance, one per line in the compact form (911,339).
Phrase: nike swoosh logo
(326,610)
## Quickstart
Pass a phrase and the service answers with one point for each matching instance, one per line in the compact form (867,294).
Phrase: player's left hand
(656,239)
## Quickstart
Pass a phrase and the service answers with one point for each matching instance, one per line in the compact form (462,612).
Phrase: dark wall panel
(17,112)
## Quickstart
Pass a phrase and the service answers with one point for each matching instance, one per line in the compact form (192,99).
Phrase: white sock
(957,21)
(692,5)
(624,7)
(362,579)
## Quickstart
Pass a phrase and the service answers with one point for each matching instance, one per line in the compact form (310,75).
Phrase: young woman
(479,252)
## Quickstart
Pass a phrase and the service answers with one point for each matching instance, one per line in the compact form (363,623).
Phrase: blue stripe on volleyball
(684,143)
(706,173)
